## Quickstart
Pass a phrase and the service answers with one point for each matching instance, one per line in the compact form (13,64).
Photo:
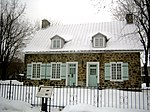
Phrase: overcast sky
(68,11)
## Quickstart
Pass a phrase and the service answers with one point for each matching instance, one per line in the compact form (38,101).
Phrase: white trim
(87,72)
(116,71)
(67,63)
(56,68)
(32,70)
(82,51)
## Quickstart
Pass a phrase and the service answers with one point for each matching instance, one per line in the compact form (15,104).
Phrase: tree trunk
(146,75)
(4,71)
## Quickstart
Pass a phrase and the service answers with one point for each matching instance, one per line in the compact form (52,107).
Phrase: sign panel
(45,91)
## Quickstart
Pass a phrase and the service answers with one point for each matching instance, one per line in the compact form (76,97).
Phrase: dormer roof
(66,38)
(99,34)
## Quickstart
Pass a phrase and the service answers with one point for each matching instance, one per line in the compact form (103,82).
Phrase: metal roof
(121,37)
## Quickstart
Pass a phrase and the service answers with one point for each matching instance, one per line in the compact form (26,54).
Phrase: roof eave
(82,51)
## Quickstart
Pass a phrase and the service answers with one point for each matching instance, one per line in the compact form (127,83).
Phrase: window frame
(111,79)
(60,70)
(100,43)
(56,46)
(35,78)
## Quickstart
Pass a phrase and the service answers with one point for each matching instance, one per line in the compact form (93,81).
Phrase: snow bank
(90,108)
(15,106)
(144,86)
(13,82)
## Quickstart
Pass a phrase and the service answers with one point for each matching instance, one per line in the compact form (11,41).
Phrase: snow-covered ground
(20,106)
(16,106)
(12,82)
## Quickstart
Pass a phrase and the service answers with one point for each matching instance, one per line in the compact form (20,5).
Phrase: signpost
(45,92)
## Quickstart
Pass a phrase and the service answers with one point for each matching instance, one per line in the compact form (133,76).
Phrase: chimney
(45,23)
(129,18)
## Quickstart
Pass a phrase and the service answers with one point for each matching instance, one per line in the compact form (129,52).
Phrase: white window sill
(54,79)
(117,80)
(35,78)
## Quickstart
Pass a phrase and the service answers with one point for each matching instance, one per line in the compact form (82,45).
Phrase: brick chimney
(129,18)
(45,23)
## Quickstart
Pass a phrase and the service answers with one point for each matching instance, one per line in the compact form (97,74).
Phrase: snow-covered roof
(121,37)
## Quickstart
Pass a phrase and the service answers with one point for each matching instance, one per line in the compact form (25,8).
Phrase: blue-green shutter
(63,71)
(43,72)
(107,71)
(29,71)
(125,71)
(48,71)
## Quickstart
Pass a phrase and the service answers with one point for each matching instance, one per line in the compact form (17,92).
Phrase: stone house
(105,54)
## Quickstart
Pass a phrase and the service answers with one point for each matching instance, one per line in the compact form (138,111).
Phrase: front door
(93,73)
(72,74)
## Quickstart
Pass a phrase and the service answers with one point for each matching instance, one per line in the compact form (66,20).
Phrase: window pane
(92,71)
(101,42)
(54,43)
(58,71)
(96,42)
(58,44)
(113,71)
(118,71)
(93,66)
(72,68)
(53,70)
(34,71)
(38,71)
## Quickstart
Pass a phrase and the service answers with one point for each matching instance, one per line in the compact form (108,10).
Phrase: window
(36,69)
(56,70)
(93,69)
(56,43)
(99,42)
(116,71)
(72,69)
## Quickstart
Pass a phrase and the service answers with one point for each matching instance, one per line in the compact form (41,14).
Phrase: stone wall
(133,60)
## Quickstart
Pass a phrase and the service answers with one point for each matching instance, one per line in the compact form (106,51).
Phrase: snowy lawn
(16,106)
(71,98)
(20,106)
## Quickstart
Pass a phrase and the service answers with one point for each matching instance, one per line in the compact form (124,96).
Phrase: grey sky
(66,11)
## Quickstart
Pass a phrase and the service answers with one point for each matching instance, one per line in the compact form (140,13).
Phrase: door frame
(87,72)
(67,63)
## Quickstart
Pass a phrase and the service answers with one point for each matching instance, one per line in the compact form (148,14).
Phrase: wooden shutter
(107,71)
(48,71)
(29,71)
(125,71)
(43,72)
(63,71)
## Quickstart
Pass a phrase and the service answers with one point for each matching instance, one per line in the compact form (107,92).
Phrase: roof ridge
(68,24)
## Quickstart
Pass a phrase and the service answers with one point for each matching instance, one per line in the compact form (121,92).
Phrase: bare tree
(141,14)
(140,9)
(14,30)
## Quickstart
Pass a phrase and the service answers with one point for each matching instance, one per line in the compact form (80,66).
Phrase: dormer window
(99,40)
(56,43)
